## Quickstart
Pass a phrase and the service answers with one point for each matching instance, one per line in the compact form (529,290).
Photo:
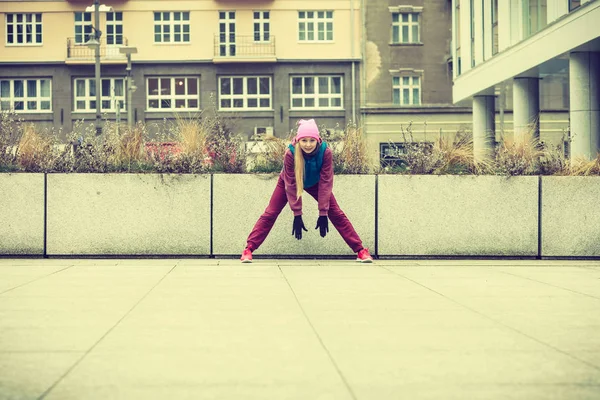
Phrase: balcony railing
(78,51)
(232,47)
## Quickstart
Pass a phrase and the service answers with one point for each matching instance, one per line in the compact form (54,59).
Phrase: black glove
(323,224)
(298,226)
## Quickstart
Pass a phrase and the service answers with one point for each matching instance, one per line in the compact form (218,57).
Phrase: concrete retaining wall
(239,200)
(457,215)
(128,214)
(570,216)
(22,214)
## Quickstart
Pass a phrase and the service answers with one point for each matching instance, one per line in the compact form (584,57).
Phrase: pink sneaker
(246,256)
(364,256)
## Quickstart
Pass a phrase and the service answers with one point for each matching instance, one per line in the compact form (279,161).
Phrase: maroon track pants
(279,200)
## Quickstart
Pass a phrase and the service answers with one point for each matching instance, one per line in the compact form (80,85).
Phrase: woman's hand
(323,224)
(298,226)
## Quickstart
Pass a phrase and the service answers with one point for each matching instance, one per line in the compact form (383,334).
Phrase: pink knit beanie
(307,129)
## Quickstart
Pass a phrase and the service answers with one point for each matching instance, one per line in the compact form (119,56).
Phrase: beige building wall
(138,28)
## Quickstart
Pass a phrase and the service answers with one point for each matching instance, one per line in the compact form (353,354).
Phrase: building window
(114,28)
(315,26)
(322,92)
(244,92)
(573,4)
(26,95)
(170,93)
(406,28)
(172,27)
(262,26)
(111,96)
(227,39)
(394,155)
(23,29)
(406,90)
(83,27)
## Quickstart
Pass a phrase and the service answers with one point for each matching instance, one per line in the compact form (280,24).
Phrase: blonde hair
(299,170)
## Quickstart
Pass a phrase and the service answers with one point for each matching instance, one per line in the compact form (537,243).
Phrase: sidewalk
(299,329)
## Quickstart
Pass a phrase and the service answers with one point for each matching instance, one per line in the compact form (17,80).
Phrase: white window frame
(115,23)
(412,23)
(315,26)
(245,96)
(26,99)
(90,97)
(171,97)
(30,26)
(262,19)
(168,20)
(399,86)
(317,96)
(86,27)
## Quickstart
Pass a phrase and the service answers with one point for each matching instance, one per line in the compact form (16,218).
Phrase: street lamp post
(95,43)
(129,50)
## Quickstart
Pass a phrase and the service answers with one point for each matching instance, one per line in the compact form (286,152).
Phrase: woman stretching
(307,166)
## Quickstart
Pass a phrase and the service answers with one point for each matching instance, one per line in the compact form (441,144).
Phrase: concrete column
(526,107)
(484,126)
(584,114)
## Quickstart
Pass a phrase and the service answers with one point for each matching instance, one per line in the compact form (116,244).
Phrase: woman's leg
(267,219)
(339,221)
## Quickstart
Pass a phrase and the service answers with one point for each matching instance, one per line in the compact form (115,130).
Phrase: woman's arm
(326,182)
(289,178)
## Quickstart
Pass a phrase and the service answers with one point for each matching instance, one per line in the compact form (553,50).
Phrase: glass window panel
(415,17)
(18,88)
(165,104)
(165,86)
(92,104)
(323,102)
(106,87)
(265,87)
(19,105)
(405,34)
(252,86)
(166,16)
(105,104)
(4,105)
(256,15)
(179,103)
(92,87)
(404,17)
(5,88)
(310,102)
(296,102)
(396,80)
(415,80)
(232,15)
(192,103)
(192,86)
(226,103)
(336,84)
(415,34)
(415,96)
(45,88)
(186,37)
(238,85)
(225,86)
(119,87)
(336,102)
(157,16)
(309,85)
(252,103)
(79,105)
(221,15)
(321,14)
(406,96)
(153,86)
(310,14)
(31,88)
(301,14)
(153,104)
(238,103)
(323,85)
(45,105)
(395,34)
(405,80)
(265,103)
(329,14)
(395,17)
(32,105)
(296,85)
(396,96)
(80,87)
(179,86)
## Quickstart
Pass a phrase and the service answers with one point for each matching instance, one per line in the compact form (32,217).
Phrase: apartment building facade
(266,63)
(537,61)
(407,78)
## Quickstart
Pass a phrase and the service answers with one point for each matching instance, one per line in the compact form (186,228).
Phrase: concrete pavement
(299,329)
